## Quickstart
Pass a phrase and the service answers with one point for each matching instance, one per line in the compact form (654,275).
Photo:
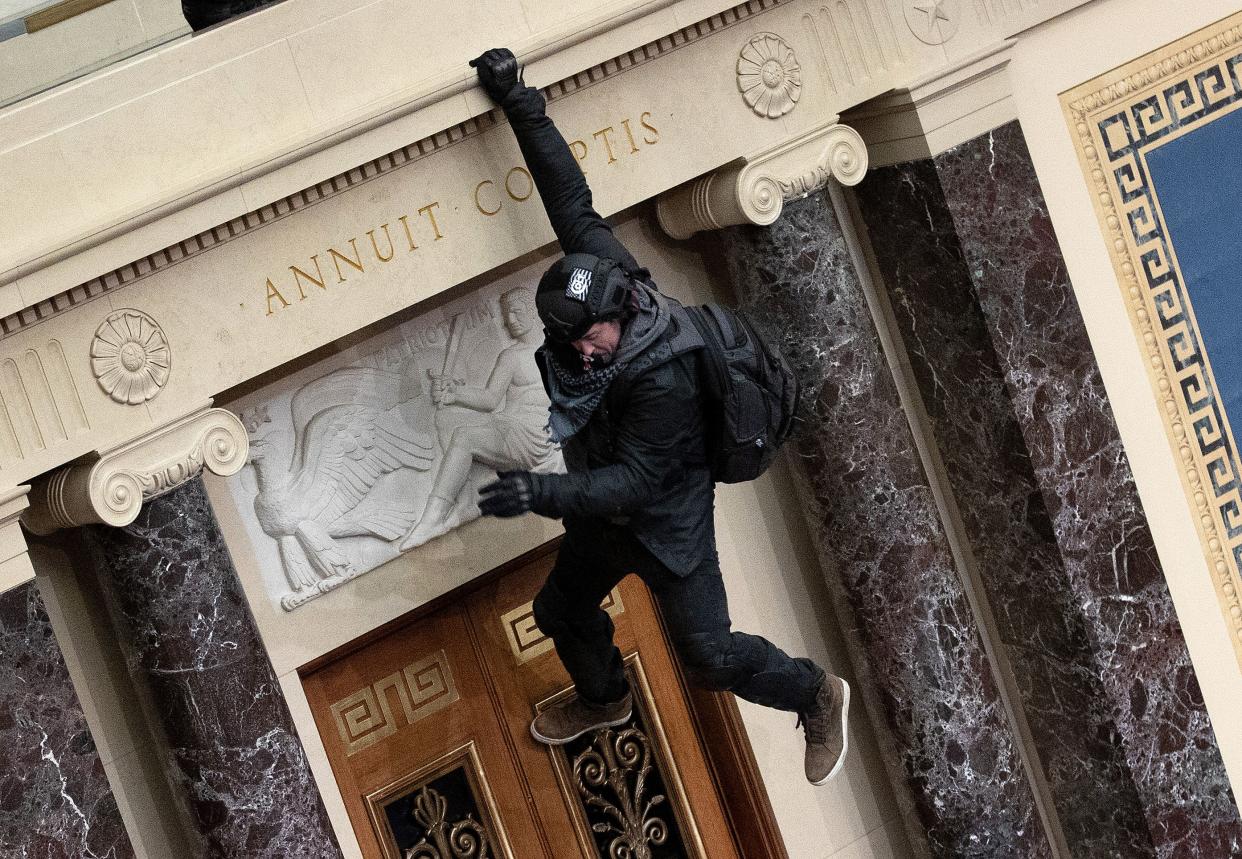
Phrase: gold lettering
(427,210)
(375,245)
(272,291)
(530,184)
(642,120)
(478,204)
(338,258)
(602,134)
(629,135)
(581,156)
(409,237)
(298,274)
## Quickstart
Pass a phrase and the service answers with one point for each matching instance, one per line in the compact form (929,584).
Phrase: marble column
(55,802)
(232,751)
(1022,423)
(874,519)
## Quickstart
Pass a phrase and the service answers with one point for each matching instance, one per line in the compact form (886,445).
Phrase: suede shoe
(573,717)
(827,735)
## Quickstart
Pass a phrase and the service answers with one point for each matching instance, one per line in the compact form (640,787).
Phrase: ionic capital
(111,487)
(753,190)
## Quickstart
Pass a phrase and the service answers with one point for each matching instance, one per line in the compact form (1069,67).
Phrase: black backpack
(750,392)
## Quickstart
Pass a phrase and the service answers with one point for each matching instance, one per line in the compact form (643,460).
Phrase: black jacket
(641,460)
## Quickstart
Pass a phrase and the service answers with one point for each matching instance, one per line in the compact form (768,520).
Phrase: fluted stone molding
(755,189)
(111,488)
(15,566)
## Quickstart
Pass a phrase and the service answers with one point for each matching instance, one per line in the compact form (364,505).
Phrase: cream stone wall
(39,60)
(1094,40)
(776,588)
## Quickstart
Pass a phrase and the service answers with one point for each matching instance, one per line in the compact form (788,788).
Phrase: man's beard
(599,360)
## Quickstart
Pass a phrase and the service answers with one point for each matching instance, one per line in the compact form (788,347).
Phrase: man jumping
(638,496)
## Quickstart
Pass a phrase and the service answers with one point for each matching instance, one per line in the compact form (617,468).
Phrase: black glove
(498,72)
(511,494)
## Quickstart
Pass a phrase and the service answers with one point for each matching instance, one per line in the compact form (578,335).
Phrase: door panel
(429,727)
(376,749)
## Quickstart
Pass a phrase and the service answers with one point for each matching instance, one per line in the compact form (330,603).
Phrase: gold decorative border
(1165,94)
(527,641)
(423,687)
(466,755)
(645,703)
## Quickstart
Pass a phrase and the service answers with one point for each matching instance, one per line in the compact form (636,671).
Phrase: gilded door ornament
(624,786)
(130,357)
(463,839)
(768,75)
(612,777)
(443,810)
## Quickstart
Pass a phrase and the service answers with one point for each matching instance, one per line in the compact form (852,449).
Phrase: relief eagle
(348,433)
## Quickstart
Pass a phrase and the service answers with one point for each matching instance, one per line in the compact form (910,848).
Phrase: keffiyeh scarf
(576,394)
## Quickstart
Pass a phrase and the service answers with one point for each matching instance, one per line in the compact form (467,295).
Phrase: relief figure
(512,411)
(348,433)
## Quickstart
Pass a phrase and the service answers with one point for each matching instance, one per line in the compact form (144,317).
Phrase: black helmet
(577,291)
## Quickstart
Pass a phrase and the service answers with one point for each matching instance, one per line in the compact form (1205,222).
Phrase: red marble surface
(55,801)
(933,698)
(231,745)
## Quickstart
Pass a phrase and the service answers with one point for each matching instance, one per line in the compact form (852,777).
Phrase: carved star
(934,10)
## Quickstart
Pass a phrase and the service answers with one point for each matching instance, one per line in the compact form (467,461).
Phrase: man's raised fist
(498,72)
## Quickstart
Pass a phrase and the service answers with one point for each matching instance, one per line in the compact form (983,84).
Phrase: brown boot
(573,717)
(827,737)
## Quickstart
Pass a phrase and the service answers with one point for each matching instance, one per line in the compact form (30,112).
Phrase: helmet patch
(579,284)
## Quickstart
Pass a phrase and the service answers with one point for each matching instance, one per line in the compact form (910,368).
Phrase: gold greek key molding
(111,488)
(1176,364)
(754,189)
(423,687)
(526,639)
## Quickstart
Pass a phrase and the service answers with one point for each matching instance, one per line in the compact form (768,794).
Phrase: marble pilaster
(958,374)
(874,518)
(55,801)
(232,749)
(1023,425)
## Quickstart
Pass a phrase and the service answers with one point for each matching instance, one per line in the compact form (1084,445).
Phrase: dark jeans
(593,558)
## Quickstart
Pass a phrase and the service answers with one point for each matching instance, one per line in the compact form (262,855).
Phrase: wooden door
(427,730)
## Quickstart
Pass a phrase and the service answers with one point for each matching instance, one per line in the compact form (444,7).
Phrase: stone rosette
(130,357)
(768,75)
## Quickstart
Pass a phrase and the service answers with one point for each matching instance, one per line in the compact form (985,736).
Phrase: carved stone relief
(376,451)
(768,75)
(130,357)
(933,22)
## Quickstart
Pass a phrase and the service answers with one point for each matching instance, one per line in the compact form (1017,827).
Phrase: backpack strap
(687,335)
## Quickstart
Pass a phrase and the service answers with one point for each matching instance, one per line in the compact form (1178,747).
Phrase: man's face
(515,315)
(599,345)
